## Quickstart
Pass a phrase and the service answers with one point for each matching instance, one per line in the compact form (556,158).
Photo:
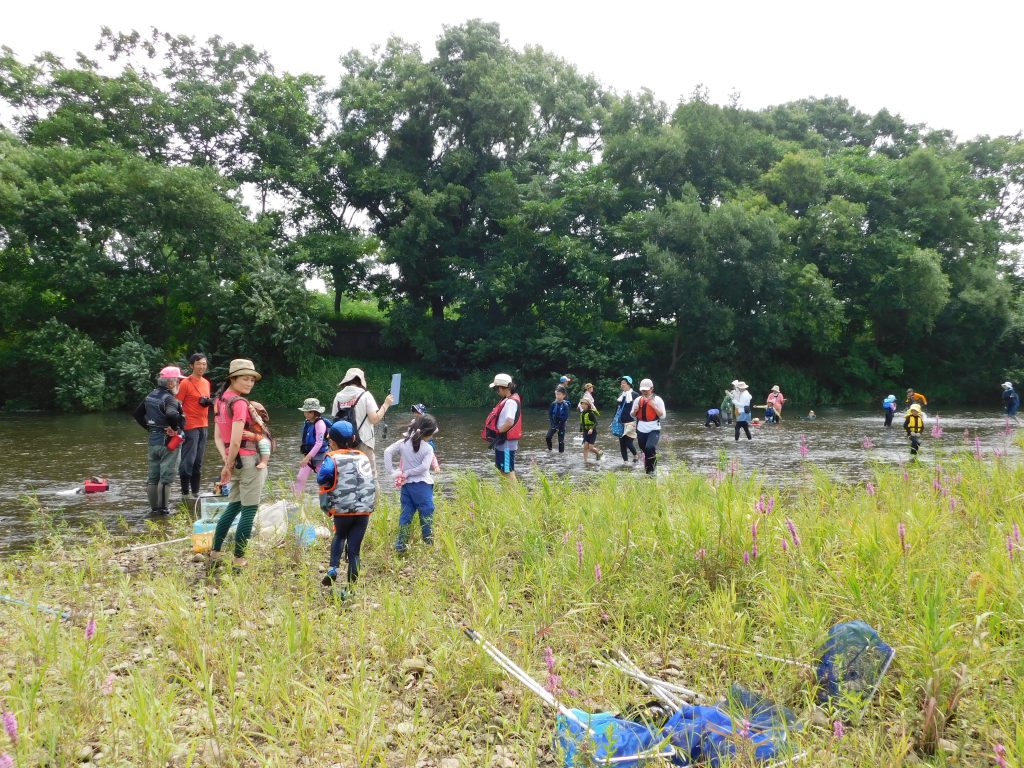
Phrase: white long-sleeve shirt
(415,465)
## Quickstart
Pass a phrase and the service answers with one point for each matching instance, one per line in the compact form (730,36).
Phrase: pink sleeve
(239,411)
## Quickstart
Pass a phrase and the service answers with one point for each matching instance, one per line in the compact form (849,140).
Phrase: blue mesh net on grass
(853,661)
(746,723)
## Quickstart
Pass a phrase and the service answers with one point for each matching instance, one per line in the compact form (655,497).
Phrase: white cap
(501,380)
(646,385)
(1007,385)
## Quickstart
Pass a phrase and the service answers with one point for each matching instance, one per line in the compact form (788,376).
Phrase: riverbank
(264,668)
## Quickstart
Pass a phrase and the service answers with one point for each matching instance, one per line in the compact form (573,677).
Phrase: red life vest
(646,411)
(515,432)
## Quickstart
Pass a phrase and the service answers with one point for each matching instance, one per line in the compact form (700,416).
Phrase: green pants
(162,465)
(243,531)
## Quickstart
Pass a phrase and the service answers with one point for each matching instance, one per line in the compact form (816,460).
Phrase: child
(588,426)
(420,410)
(770,417)
(588,396)
(413,476)
(726,407)
(348,493)
(558,417)
(913,425)
(260,433)
(714,417)
(889,406)
(313,442)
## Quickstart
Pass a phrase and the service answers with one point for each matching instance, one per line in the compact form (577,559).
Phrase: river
(45,456)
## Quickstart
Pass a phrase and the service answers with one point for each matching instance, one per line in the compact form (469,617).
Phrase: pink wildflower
(565,537)
(953,503)
(977,448)
(838,730)
(744,728)
(771,505)
(1000,753)
(803,447)
(1016,533)
(701,553)
(597,572)
(785,544)
(90,629)
(753,529)
(901,529)
(579,553)
(107,688)
(11,726)
(936,428)
(792,532)
(6,761)
(871,489)
(753,551)
(1010,546)
(868,445)
(746,558)
(554,681)
(760,506)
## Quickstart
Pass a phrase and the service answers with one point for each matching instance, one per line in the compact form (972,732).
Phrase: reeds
(265,667)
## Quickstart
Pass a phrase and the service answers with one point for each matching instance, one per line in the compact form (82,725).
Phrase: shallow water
(46,456)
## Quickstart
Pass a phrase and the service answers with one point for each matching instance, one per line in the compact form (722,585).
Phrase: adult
(648,410)
(355,401)
(624,415)
(741,409)
(1011,400)
(194,394)
(161,415)
(726,406)
(232,417)
(916,398)
(776,401)
(504,425)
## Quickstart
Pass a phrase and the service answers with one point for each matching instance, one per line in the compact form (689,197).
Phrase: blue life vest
(559,413)
(309,436)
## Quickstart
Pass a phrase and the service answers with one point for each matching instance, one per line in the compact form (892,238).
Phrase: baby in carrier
(258,432)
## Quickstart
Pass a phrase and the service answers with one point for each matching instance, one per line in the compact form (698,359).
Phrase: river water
(46,456)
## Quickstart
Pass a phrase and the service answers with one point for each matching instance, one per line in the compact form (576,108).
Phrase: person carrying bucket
(161,414)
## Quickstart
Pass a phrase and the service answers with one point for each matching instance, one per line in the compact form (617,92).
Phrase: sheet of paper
(396,386)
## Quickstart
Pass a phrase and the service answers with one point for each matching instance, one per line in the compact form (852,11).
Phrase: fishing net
(853,661)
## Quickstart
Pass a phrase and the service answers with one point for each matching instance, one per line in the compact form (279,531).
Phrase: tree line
(504,209)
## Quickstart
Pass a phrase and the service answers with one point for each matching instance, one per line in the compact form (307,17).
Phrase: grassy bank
(264,669)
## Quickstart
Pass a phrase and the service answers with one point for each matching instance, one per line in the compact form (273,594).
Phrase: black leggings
(627,444)
(649,447)
(744,426)
(348,533)
(888,417)
(561,437)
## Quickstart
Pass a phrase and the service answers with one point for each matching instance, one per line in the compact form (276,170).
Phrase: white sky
(948,65)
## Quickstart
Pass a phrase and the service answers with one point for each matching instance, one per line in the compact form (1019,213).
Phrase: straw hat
(776,388)
(242,367)
(741,385)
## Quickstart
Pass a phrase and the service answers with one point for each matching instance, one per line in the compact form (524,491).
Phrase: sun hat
(420,408)
(741,385)
(890,398)
(242,367)
(588,385)
(1007,385)
(312,404)
(351,375)
(627,379)
(646,385)
(341,430)
(776,388)
(170,372)
(735,382)
(501,380)
(916,408)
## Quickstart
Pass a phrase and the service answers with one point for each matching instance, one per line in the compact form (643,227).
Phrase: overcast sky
(949,65)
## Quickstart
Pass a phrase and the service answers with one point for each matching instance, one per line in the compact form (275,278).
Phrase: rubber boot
(186,484)
(165,499)
(152,493)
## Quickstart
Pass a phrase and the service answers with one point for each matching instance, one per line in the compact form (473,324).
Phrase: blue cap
(420,408)
(627,379)
(564,379)
(341,430)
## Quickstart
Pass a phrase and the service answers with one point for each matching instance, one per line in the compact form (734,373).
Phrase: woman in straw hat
(232,417)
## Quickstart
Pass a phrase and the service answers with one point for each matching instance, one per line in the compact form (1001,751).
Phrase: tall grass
(266,668)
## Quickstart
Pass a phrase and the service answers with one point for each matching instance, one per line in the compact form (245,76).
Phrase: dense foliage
(504,209)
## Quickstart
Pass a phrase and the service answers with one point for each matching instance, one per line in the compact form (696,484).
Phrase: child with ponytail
(416,457)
